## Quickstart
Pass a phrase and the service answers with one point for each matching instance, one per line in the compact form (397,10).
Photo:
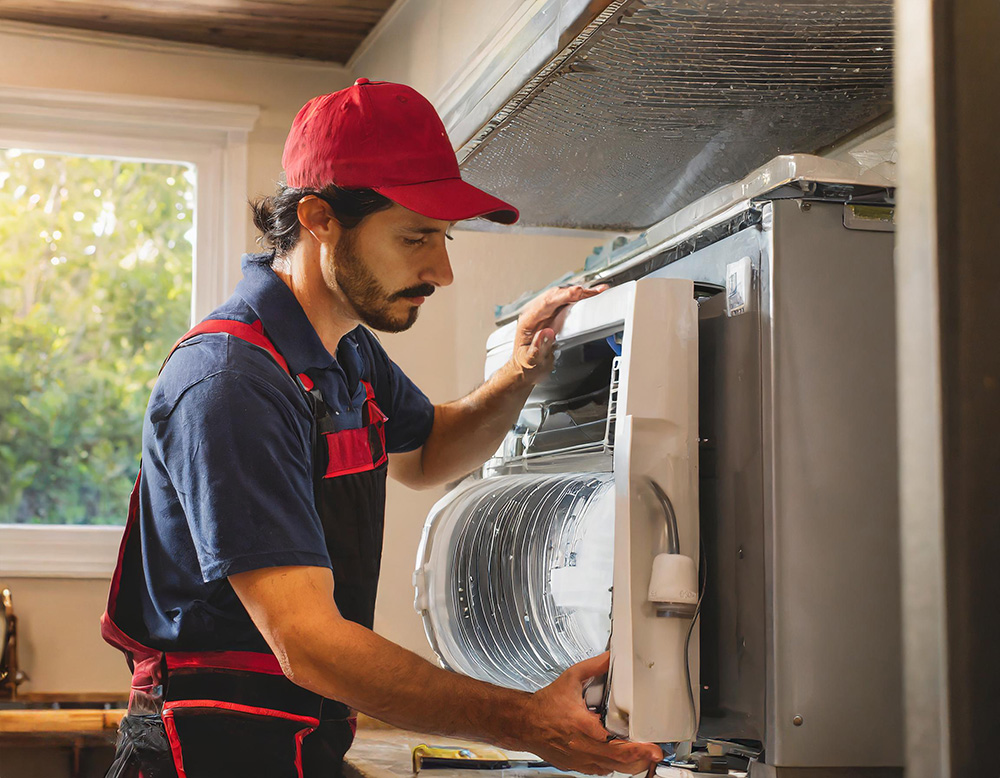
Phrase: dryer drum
(529,572)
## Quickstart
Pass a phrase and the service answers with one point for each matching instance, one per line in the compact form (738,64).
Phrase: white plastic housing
(674,581)
(655,438)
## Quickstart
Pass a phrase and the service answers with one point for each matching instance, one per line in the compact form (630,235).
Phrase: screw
(804,205)
(740,552)
(797,721)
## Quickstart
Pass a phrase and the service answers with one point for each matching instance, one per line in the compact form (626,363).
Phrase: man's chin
(384,322)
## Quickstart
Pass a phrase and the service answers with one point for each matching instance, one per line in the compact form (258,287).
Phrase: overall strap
(251,333)
(144,660)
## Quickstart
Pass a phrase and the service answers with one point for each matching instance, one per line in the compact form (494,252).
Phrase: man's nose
(438,270)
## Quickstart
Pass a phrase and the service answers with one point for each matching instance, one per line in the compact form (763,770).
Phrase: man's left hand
(535,341)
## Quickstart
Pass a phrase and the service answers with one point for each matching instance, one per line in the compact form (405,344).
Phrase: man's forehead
(415,222)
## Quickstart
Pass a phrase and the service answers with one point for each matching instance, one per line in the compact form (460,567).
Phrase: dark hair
(277,216)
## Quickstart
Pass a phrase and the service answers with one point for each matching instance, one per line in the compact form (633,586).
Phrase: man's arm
(468,431)
(294,609)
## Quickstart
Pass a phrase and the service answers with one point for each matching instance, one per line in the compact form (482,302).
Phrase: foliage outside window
(95,286)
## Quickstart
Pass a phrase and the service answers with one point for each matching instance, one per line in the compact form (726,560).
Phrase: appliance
(717,440)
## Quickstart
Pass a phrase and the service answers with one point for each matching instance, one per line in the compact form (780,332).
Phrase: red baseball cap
(386,137)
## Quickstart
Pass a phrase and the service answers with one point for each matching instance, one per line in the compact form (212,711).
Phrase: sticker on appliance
(738,277)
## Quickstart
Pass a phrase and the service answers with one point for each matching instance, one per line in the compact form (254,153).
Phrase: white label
(738,275)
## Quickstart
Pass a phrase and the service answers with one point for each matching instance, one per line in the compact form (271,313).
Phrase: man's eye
(413,241)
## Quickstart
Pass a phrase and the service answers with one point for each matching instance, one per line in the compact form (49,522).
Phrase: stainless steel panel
(665,100)
(831,484)
(734,639)
(733,630)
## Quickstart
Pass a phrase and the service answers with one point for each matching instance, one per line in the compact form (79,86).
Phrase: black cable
(702,583)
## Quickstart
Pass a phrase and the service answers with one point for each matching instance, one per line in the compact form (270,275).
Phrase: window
(116,234)
(95,285)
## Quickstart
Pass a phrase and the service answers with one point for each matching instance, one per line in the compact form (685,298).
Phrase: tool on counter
(470,757)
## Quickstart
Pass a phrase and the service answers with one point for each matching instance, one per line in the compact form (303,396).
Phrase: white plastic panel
(586,319)
(657,440)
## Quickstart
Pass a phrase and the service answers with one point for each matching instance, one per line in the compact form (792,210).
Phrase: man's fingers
(627,757)
(591,668)
(546,304)
(594,729)
(624,756)
(542,348)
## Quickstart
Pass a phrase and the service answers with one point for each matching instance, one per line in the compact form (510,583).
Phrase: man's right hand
(564,732)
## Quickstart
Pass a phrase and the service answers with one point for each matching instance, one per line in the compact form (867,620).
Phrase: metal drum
(514,576)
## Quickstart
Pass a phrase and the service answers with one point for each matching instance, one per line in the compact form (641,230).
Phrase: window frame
(211,136)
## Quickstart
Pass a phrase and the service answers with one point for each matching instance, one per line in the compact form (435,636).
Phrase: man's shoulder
(229,363)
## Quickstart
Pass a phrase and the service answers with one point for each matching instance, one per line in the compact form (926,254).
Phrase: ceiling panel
(328,30)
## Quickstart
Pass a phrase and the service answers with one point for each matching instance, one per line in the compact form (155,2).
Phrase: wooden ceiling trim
(326,30)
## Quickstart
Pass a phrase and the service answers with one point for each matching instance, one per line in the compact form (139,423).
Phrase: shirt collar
(285,322)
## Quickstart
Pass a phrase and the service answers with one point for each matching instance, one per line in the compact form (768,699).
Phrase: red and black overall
(234,713)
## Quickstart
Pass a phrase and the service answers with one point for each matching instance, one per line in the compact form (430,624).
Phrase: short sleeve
(238,455)
(411,414)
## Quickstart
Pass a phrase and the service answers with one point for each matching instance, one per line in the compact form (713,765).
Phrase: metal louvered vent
(658,102)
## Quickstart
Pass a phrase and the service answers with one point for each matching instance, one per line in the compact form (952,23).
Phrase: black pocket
(142,750)
(220,739)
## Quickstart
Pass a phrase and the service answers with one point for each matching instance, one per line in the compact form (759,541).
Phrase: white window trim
(213,137)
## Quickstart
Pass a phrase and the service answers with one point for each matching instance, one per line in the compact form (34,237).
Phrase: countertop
(384,752)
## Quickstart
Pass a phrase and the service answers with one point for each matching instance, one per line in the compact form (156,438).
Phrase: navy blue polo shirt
(227,476)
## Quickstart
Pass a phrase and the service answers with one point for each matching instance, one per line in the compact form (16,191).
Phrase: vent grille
(659,102)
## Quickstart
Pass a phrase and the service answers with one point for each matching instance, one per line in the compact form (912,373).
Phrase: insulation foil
(660,102)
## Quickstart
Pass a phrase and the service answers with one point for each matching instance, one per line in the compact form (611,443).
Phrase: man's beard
(370,300)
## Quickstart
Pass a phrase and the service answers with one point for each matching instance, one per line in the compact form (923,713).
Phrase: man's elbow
(304,665)
(301,672)
(409,470)
(420,483)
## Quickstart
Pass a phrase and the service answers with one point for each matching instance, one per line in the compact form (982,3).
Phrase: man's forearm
(294,609)
(379,678)
(467,432)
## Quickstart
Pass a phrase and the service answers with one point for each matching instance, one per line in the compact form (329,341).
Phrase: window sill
(52,551)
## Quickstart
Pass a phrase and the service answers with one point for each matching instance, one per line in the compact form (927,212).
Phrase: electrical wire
(703,582)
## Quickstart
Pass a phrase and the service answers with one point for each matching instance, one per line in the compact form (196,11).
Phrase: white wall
(424,43)
(60,645)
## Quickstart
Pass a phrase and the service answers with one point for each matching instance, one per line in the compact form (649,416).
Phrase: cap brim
(450,199)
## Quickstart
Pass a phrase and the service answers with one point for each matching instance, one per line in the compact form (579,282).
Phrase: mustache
(425,290)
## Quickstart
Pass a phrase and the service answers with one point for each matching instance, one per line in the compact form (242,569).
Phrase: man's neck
(329,312)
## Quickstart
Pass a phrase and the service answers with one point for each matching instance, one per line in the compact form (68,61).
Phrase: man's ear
(316,217)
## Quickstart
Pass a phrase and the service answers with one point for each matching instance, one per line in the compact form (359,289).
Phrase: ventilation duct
(657,102)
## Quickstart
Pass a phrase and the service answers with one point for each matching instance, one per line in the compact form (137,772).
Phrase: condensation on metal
(659,102)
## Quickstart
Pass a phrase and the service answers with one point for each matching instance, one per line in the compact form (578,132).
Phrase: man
(245,591)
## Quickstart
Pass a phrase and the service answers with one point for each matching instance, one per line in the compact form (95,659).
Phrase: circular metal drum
(514,576)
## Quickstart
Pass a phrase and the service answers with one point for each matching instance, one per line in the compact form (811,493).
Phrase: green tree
(95,286)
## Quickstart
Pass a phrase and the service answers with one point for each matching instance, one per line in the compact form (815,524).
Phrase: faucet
(10,675)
